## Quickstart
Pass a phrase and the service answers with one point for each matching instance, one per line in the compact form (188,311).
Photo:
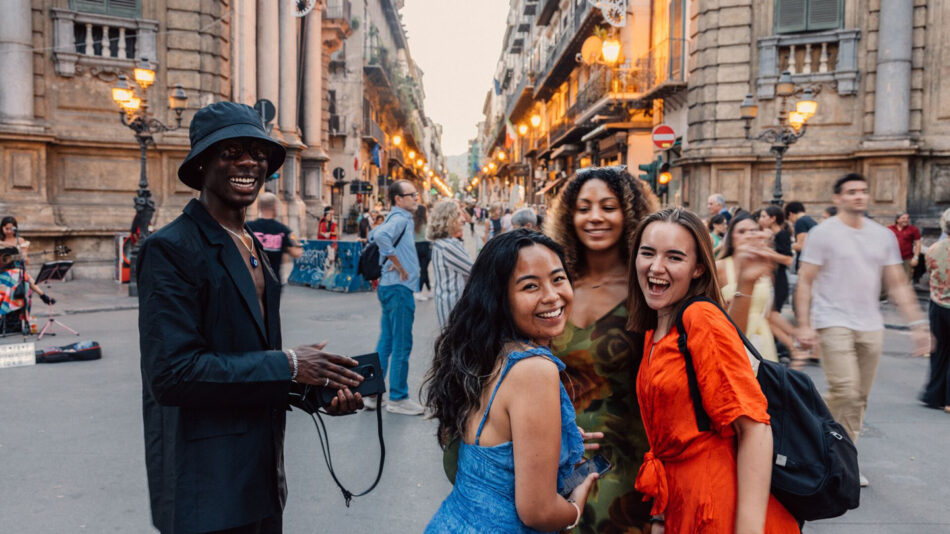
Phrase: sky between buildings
(456,43)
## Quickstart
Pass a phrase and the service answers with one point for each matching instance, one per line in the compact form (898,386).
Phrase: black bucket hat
(220,121)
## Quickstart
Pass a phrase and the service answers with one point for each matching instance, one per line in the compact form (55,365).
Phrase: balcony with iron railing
(816,57)
(107,43)
(372,131)
(560,62)
(663,68)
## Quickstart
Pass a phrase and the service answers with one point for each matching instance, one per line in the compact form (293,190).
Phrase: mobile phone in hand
(597,464)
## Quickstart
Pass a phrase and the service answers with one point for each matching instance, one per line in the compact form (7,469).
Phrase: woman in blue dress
(494,387)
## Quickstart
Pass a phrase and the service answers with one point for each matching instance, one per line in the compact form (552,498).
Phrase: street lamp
(135,115)
(789,129)
(535,120)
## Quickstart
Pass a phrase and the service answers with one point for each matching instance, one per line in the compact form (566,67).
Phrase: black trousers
(424,251)
(937,392)
(269,525)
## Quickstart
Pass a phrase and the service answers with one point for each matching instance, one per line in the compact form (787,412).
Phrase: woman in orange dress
(702,482)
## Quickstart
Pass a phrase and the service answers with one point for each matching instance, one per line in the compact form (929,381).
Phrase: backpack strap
(702,417)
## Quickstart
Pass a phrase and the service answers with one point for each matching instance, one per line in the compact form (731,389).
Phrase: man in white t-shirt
(836,301)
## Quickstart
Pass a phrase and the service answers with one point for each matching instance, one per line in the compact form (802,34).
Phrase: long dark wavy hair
(636,201)
(479,327)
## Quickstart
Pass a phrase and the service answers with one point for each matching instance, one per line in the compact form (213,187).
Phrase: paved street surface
(71,447)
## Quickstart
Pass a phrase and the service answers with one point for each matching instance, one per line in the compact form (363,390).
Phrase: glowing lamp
(122,93)
(144,74)
(536,120)
(412,154)
(522,129)
(611,51)
(397,140)
(748,109)
(664,178)
(807,106)
(796,120)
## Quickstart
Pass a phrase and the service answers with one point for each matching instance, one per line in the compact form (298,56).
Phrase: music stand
(53,270)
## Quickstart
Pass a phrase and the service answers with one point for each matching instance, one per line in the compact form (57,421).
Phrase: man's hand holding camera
(328,370)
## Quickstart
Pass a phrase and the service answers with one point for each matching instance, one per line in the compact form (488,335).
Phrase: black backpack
(370,267)
(815,464)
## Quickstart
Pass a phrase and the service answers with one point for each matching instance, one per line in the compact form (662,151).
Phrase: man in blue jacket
(215,381)
(399,280)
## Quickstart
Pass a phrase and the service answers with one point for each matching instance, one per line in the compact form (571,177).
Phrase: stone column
(16,62)
(287,108)
(244,52)
(268,57)
(892,87)
(314,156)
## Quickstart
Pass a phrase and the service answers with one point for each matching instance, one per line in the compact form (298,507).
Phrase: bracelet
(918,322)
(573,525)
(740,294)
(293,357)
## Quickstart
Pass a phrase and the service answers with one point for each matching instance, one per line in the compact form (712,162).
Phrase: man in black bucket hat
(215,381)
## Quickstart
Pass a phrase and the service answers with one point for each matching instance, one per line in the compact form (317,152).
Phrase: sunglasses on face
(233,150)
(413,195)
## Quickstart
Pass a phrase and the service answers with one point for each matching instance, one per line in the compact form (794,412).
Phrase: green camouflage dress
(602,363)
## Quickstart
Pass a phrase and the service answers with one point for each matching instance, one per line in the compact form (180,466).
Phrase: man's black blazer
(214,382)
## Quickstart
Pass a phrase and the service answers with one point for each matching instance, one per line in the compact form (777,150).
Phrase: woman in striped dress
(450,261)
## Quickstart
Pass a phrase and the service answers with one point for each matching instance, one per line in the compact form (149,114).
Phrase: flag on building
(497,86)
(376,155)
(509,132)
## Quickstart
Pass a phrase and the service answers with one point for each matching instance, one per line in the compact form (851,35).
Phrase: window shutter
(125,8)
(790,16)
(88,6)
(825,14)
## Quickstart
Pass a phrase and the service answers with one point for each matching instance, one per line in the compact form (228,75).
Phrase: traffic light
(663,179)
(650,172)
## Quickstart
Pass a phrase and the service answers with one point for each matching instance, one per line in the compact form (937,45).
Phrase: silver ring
(328,382)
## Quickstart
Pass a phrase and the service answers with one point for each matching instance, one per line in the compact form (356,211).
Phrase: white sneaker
(404,407)
(420,297)
(371,403)
(863,480)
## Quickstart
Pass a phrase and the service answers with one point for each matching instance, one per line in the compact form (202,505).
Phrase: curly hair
(440,219)
(636,199)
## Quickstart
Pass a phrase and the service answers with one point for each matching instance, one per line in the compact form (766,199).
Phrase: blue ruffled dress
(483,499)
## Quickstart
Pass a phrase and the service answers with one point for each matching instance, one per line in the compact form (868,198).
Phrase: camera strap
(325,447)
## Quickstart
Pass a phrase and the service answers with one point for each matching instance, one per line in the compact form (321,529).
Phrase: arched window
(796,16)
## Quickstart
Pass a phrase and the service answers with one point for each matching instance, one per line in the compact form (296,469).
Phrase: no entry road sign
(663,136)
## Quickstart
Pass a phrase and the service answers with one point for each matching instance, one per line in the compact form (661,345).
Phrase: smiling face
(765,220)
(235,170)
(598,219)
(540,294)
(903,221)
(8,231)
(666,263)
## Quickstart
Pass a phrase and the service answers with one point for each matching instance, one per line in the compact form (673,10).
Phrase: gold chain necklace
(254,262)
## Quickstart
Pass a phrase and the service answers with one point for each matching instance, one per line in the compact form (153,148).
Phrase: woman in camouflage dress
(593,219)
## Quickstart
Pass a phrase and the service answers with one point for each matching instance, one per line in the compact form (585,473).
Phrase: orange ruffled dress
(691,475)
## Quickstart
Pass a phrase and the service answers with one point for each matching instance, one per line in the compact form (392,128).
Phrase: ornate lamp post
(790,124)
(134,114)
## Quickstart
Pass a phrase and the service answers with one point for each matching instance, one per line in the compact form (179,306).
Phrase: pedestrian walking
(716,481)
(492,223)
(772,220)
(716,205)
(717,230)
(423,250)
(744,273)
(450,262)
(802,223)
(525,218)
(215,381)
(593,219)
(494,389)
(399,280)
(836,301)
(327,228)
(936,393)
(276,238)
(908,240)
(506,221)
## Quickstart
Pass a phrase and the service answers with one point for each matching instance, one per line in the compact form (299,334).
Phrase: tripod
(54,270)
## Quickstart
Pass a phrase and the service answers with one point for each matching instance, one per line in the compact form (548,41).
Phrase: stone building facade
(876,66)
(69,170)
